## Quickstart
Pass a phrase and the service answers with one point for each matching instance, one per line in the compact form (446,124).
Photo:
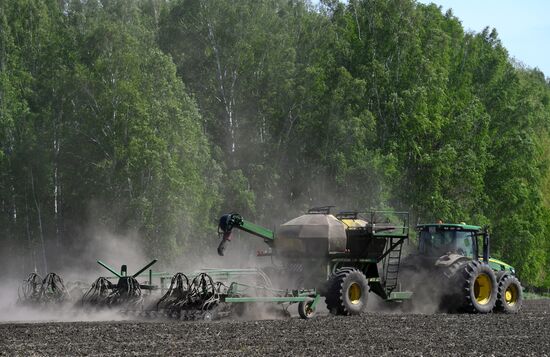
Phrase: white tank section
(311,235)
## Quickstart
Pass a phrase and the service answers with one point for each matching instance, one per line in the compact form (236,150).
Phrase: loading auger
(234,220)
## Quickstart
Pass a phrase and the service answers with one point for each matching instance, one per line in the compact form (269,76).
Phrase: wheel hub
(482,289)
(354,293)
(309,310)
(511,295)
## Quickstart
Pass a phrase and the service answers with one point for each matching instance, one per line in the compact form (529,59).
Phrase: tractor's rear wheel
(509,295)
(479,287)
(347,292)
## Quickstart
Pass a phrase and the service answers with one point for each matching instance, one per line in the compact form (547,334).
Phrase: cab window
(464,243)
(440,242)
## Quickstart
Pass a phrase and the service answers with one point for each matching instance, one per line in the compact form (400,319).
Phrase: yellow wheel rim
(511,295)
(482,289)
(354,293)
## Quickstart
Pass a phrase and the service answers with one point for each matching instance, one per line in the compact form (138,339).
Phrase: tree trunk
(28,230)
(40,229)
(56,185)
(227,97)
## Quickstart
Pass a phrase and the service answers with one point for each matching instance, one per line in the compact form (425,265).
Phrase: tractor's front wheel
(347,292)
(509,295)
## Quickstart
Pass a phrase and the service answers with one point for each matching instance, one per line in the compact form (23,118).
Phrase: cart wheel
(210,315)
(305,310)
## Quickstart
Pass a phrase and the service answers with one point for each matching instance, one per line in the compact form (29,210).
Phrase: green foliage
(154,117)
(110,136)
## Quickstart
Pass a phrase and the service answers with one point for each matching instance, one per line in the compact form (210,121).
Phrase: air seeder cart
(340,257)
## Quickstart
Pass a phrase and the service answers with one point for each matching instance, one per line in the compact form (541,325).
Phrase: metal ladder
(391,271)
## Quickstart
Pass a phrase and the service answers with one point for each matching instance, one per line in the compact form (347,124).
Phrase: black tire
(451,289)
(324,289)
(331,290)
(509,295)
(347,292)
(305,310)
(499,275)
(479,287)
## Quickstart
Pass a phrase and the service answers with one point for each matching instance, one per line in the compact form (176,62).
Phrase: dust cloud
(78,271)
(81,270)
(12,310)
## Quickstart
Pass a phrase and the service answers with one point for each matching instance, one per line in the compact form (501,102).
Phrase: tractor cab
(437,239)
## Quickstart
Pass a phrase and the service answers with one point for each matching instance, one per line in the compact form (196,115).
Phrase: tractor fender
(449,259)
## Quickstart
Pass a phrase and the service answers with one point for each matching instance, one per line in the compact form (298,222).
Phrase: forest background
(151,118)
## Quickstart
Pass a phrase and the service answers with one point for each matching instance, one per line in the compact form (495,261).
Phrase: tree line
(156,116)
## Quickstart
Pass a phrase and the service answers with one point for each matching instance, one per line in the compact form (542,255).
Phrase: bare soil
(374,333)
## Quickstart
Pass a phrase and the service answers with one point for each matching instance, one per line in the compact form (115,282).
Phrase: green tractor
(455,260)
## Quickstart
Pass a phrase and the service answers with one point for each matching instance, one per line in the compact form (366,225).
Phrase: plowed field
(374,333)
